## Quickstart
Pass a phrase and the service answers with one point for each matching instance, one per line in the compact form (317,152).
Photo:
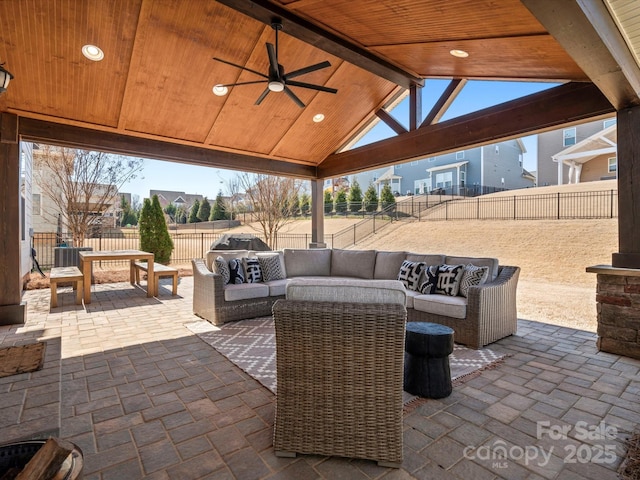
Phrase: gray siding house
(466,172)
(550,144)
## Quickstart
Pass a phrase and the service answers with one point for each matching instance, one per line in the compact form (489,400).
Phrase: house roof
(447,166)
(388,175)
(151,95)
(603,142)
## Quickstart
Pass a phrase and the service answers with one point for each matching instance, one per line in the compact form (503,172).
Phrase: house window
(460,155)
(608,123)
(431,159)
(37,206)
(497,149)
(398,167)
(463,178)
(613,164)
(444,180)
(569,137)
(414,163)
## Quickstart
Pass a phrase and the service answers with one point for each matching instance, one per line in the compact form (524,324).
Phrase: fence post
(374,223)
(478,209)
(514,207)
(611,202)
(202,243)
(558,205)
(446,210)
(354,234)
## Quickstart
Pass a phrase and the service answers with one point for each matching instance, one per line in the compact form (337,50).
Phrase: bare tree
(81,184)
(269,196)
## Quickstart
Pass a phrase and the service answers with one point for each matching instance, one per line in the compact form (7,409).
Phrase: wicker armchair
(340,371)
(209,302)
(491,311)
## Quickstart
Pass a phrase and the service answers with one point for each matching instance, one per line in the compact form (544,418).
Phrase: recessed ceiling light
(318,117)
(459,53)
(220,90)
(92,53)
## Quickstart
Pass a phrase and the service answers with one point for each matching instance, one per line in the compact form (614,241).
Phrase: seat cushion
(353,263)
(277,287)
(245,291)
(388,265)
(444,305)
(314,262)
(411,294)
(346,290)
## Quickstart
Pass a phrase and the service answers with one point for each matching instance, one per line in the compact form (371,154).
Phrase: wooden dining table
(88,257)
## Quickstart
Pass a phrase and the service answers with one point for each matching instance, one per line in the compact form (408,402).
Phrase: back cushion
(429,259)
(492,263)
(315,262)
(226,255)
(388,265)
(353,263)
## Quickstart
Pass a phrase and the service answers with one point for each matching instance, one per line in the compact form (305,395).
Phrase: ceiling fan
(277,80)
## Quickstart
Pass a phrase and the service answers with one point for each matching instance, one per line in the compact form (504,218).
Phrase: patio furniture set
(353,328)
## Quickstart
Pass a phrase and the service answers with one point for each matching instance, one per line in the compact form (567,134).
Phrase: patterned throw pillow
(271,267)
(222,268)
(472,276)
(236,270)
(429,280)
(410,273)
(252,270)
(449,277)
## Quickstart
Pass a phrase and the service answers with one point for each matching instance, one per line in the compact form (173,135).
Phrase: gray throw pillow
(222,268)
(472,276)
(271,267)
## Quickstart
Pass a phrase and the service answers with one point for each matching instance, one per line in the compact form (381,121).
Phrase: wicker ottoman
(426,359)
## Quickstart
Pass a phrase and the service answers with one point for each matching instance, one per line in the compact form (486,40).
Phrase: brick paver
(143,397)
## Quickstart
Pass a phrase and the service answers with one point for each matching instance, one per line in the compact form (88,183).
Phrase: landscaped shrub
(154,235)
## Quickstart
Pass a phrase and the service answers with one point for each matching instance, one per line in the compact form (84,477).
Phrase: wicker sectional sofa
(487,313)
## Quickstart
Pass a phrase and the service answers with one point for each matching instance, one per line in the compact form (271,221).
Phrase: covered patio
(144,397)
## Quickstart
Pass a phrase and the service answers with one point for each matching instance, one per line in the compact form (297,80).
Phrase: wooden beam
(603,56)
(567,104)
(8,128)
(387,118)
(415,107)
(78,137)
(444,102)
(296,26)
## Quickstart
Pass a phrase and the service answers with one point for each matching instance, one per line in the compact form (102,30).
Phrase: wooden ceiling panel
(173,71)
(359,95)
(376,22)
(538,57)
(259,128)
(41,42)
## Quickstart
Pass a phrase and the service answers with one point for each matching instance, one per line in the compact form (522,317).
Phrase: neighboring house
(466,172)
(583,150)
(179,199)
(48,217)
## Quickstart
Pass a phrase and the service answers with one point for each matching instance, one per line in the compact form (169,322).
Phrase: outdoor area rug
(21,359)
(251,345)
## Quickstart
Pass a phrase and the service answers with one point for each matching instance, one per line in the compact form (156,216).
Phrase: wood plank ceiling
(156,78)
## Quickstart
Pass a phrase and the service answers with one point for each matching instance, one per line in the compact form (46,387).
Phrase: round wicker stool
(426,359)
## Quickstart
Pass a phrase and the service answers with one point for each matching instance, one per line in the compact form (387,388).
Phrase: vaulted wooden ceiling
(152,96)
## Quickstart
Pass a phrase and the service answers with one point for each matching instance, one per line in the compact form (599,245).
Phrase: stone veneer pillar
(618,307)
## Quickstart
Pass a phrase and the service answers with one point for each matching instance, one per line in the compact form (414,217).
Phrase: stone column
(317,214)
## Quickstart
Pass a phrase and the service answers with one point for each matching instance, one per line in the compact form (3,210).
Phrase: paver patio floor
(143,397)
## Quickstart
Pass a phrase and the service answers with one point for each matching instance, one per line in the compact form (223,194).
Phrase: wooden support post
(12,311)
(415,107)
(628,191)
(317,214)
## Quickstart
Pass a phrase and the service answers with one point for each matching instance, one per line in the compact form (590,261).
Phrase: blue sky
(207,181)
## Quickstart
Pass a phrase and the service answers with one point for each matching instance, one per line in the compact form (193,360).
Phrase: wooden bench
(65,274)
(159,270)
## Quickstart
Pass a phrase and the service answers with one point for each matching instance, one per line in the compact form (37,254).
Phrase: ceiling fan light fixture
(318,117)
(276,86)
(93,53)
(459,53)
(220,90)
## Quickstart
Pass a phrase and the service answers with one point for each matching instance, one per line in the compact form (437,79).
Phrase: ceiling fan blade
(273,59)
(309,69)
(311,86)
(243,83)
(262,96)
(240,66)
(293,97)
